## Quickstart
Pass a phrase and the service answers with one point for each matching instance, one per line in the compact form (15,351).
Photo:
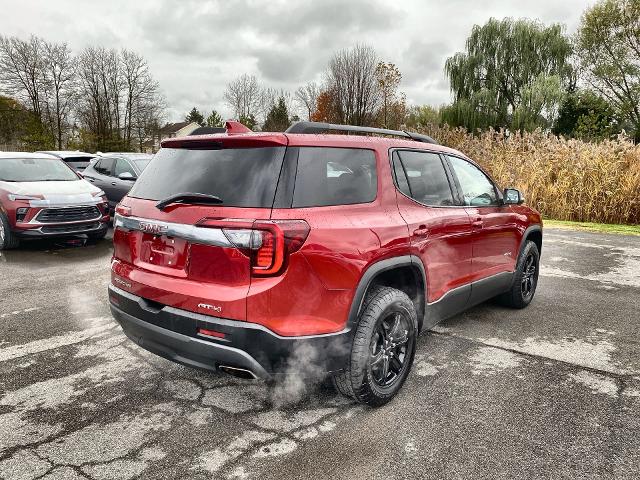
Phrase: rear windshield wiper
(189,198)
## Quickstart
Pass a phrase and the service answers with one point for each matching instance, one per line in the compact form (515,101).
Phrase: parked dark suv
(75,159)
(259,254)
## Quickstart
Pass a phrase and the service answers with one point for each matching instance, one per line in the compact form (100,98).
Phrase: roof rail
(321,127)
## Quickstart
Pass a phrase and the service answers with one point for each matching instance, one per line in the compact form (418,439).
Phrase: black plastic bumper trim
(82,230)
(172,333)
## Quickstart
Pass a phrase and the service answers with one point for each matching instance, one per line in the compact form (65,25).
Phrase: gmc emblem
(153,228)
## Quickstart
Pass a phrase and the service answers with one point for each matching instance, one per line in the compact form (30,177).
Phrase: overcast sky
(194,47)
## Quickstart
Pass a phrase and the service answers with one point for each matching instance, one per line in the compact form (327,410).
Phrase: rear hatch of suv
(78,163)
(196,226)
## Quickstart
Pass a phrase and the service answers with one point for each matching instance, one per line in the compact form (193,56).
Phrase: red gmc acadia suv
(258,254)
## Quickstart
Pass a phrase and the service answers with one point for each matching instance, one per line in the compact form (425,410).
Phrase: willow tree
(505,63)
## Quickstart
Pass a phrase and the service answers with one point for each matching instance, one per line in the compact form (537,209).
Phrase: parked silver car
(115,173)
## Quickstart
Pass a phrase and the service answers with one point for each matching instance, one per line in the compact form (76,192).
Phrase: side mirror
(512,197)
(126,176)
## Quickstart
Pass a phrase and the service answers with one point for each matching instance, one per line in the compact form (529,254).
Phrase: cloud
(195,47)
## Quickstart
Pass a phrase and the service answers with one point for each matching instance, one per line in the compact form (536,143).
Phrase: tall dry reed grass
(563,179)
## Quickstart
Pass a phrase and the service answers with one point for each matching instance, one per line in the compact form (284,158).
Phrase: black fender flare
(525,235)
(530,229)
(371,273)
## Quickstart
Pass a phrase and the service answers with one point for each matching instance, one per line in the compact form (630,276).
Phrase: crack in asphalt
(158,390)
(608,373)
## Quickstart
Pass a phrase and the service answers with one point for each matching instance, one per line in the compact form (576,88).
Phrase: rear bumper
(172,334)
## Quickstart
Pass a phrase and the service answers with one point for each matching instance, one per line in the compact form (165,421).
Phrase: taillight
(267,243)
(268,249)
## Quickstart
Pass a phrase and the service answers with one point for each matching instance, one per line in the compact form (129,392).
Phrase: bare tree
(120,100)
(60,71)
(143,103)
(94,111)
(146,120)
(244,96)
(351,77)
(307,98)
(23,71)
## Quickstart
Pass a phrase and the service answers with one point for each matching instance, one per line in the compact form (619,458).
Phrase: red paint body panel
(446,250)
(343,242)
(198,274)
(496,240)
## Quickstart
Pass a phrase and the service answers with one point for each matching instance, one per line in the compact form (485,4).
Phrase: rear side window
(241,177)
(421,176)
(104,166)
(123,166)
(334,176)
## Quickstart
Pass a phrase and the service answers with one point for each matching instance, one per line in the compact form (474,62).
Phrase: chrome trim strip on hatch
(190,233)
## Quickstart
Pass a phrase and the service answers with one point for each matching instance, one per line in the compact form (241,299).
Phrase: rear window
(78,161)
(241,177)
(334,176)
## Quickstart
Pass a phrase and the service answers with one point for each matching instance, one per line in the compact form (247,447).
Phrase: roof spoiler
(234,128)
(321,127)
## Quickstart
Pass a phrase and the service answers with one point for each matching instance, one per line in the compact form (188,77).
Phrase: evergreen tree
(585,115)
(248,121)
(195,116)
(215,120)
(277,118)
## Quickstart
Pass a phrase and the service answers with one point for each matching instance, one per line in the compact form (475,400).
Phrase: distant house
(170,130)
(179,129)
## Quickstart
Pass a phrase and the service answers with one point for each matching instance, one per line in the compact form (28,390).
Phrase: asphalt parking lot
(552,391)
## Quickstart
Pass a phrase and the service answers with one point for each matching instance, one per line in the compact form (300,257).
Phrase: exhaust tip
(238,372)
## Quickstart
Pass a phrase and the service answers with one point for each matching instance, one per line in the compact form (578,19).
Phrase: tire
(8,239)
(525,278)
(385,338)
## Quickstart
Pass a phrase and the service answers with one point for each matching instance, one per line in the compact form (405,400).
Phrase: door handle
(421,231)
(90,179)
(477,224)
(113,183)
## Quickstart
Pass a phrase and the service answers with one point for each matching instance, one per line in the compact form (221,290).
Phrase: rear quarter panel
(315,294)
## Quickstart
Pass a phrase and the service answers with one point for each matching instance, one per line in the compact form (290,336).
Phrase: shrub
(565,179)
